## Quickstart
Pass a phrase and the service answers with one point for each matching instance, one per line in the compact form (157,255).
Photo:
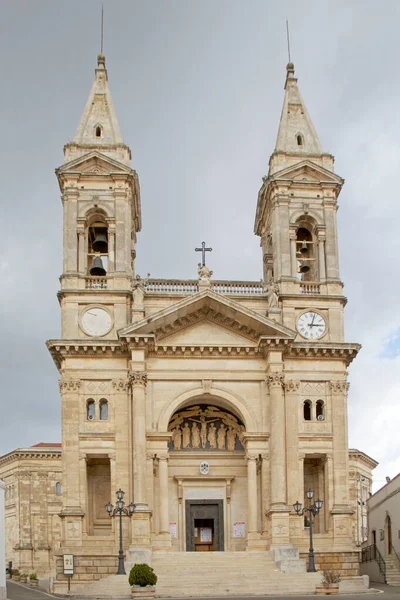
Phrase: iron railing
(372,553)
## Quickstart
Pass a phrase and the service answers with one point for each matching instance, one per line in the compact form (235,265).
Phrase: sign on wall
(206,534)
(239,529)
(172,530)
(68,564)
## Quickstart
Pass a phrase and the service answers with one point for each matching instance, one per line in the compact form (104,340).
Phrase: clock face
(311,325)
(96,322)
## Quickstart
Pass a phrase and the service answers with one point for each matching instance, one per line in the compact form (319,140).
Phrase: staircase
(205,574)
(202,574)
(392,570)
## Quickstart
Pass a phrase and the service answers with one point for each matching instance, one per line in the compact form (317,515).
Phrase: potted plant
(142,580)
(8,573)
(330,583)
(23,577)
(15,574)
(33,580)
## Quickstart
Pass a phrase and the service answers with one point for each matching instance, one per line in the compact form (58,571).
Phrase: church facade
(214,405)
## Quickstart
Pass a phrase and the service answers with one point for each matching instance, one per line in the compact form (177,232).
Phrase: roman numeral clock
(311,325)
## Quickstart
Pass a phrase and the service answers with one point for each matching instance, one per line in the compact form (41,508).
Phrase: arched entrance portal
(388,527)
(207,462)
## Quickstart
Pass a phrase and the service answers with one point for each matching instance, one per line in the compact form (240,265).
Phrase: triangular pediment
(208,319)
(308,172)
(94,162)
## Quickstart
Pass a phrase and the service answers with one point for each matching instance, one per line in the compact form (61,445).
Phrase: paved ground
(18,591)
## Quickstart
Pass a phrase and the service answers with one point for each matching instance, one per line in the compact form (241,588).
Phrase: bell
(97,268)
(304,248)
(100,243)
(304,268)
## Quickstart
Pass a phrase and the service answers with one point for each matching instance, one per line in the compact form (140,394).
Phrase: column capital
(275,380)
(291,386)
(138,378)
(163,456)
(251,456)
(121,385)
(339,387)
(69,385)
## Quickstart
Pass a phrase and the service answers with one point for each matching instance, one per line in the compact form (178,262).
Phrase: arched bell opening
(97,244)
(305,253)
(206,427)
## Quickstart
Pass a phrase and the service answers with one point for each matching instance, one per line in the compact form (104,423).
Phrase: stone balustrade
(310,287)
(190,286)
(96,283)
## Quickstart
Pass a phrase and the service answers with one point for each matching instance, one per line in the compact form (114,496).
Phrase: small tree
(142,575)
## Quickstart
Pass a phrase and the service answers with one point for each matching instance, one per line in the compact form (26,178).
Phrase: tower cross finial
(288,39)
(102,29)
(203,251)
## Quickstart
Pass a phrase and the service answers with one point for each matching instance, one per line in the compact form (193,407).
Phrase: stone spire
(98,128)
(297,138)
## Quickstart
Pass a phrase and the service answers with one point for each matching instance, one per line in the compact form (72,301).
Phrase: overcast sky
(198,91)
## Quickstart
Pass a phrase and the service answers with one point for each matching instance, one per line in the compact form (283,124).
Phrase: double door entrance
(204,525)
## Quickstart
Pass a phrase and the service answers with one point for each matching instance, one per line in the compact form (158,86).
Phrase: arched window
(299,139)
(58,488)
(90,410)
(98,131)
(305,254)
(97,243)
(103,410)
(320,410)
(307,410)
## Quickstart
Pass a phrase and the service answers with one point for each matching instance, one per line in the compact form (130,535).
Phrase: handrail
(372,553)
(392,549)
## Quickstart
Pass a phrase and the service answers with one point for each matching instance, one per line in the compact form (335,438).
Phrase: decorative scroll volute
(291,386)
(339,387)
(138,378)
(121,385)
(69,385)
(275,380)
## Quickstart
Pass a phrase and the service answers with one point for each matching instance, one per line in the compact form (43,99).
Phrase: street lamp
(120,510)
(312,510)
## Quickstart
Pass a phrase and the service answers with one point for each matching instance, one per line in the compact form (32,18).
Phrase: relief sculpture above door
(207,428)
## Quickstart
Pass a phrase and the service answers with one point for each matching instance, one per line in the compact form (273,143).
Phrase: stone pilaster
(138,382)
(163,487)
(292,401)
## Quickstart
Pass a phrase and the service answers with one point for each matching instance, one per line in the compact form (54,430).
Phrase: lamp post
(312,510)
(120,510)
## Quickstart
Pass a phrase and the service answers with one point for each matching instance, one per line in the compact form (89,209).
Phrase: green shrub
(142,574)
(15,572)
(33,576)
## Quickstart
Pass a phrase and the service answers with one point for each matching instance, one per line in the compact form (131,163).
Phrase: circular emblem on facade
(204,467)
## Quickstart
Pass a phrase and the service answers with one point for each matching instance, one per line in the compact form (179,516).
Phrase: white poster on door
(205,534)
(239,529)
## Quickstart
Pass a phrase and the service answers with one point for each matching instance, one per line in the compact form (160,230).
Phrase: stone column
(72,513)
(163,486)
(265,487)
(292,400)
(340,443)
(111,248)
(321,258)
(3,590)
(82,262)
(138,381)
(293,257)
(277,440)
(341,511)
(252,509)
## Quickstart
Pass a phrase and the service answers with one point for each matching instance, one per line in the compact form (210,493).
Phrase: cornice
(60,349)
(328,350)
(30,455)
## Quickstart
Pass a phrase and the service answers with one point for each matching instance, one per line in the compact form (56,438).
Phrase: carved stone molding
(275,380)
(112,455)
(69,385)
(339,387)
(163,456)
(207,384)
(138,378)
(121,385)
(265,456)
(150,456)
(251,456)
(291,386)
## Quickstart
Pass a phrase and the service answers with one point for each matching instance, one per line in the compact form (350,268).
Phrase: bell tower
(296,221)
(101,202)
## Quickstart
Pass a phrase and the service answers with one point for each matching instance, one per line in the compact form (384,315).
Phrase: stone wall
(345,564)
(86,570)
